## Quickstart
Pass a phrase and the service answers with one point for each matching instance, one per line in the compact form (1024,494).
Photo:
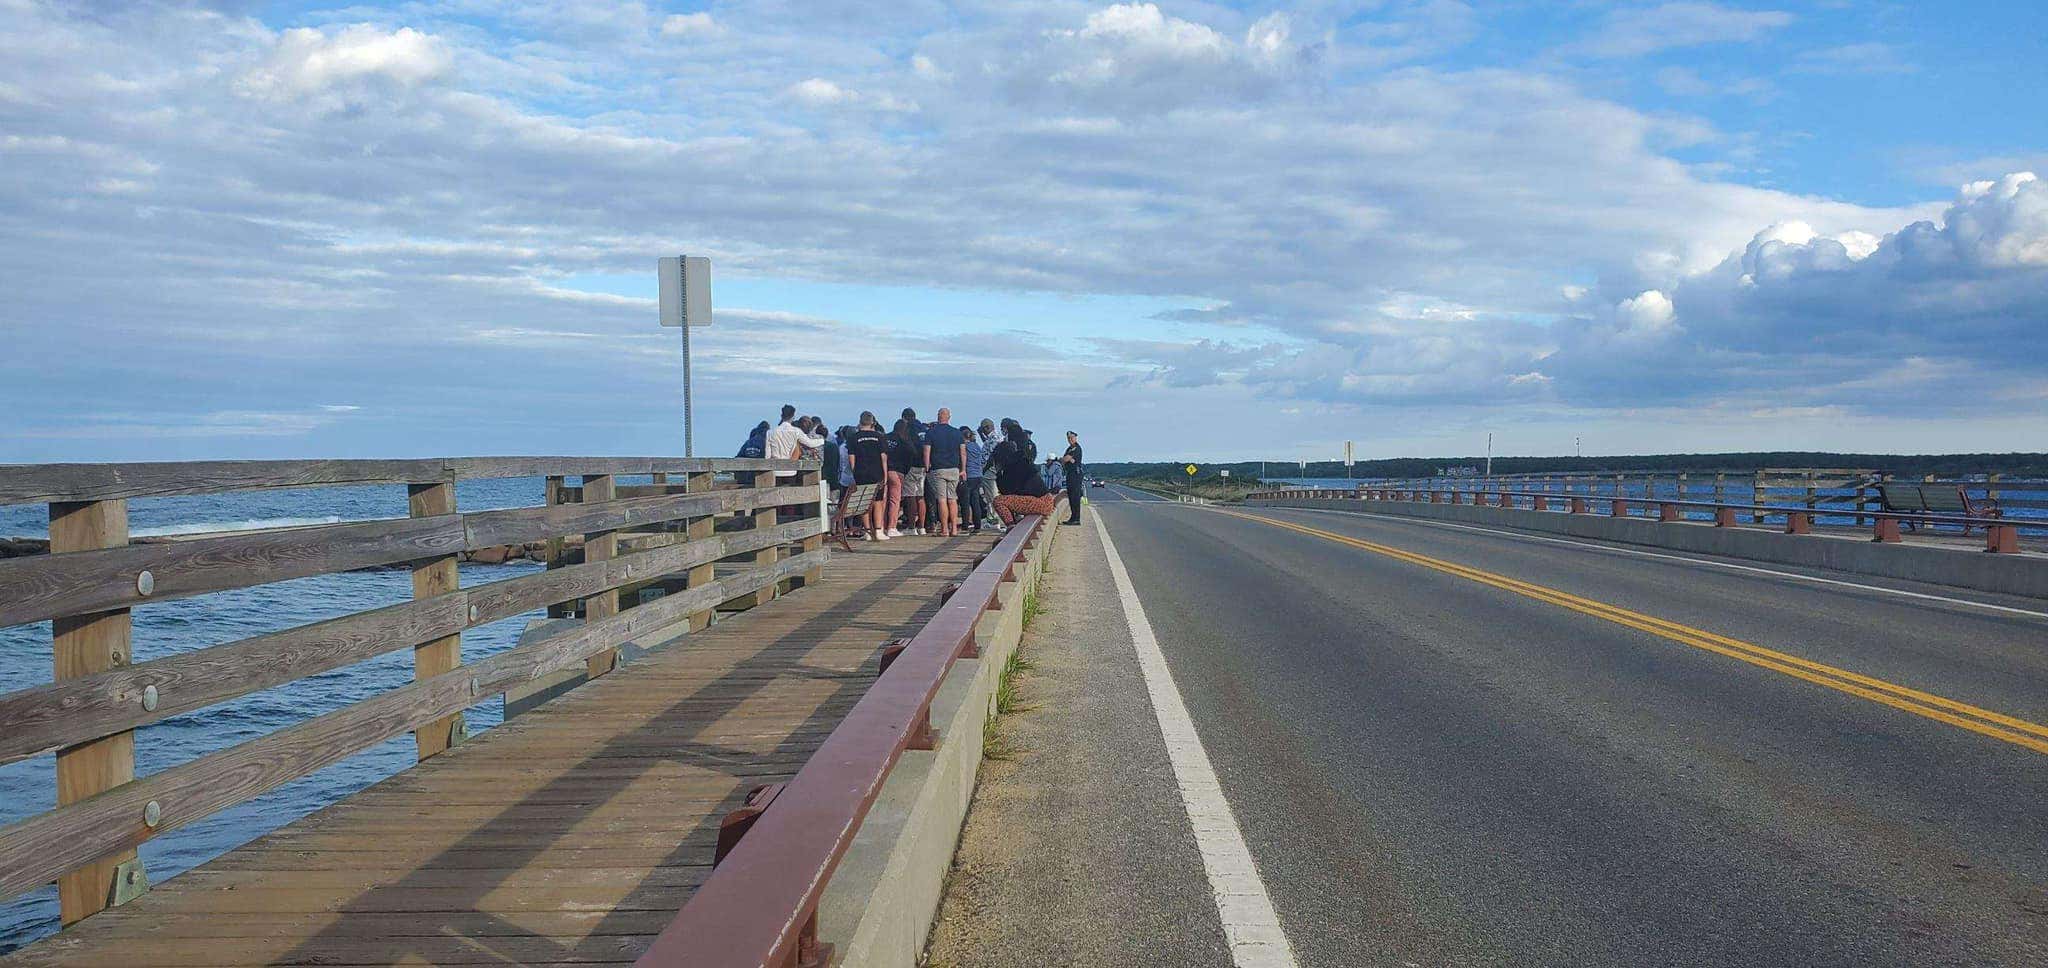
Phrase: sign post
(1347,460)
(686,304)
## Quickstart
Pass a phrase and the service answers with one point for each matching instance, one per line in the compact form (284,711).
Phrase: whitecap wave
(250,524)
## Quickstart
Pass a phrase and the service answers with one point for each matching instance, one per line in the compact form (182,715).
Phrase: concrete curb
(879,907)
(2022,574)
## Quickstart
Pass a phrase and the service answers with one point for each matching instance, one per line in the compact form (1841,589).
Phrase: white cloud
(1863,58)
(1632,31)
(1646,314)
(818,92)
(692,25)
(306,61)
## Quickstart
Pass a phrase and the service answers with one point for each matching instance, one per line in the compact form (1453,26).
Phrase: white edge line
(1250,924)
(1591,546)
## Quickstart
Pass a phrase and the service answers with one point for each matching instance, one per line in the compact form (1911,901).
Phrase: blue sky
(1189,230)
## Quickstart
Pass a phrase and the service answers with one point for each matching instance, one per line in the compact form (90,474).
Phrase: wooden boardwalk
(569,835)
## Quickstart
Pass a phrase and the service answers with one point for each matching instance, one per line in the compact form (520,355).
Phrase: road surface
(1443,746)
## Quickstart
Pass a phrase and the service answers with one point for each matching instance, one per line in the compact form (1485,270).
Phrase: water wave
(250,524)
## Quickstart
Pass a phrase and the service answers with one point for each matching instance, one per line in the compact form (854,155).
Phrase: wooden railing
(1850,493)
(663,536)
(2001,535)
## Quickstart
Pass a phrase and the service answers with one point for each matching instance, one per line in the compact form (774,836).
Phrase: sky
(1186,230)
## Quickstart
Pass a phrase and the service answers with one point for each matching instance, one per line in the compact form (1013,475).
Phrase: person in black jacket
(1071,460)
(1015,466)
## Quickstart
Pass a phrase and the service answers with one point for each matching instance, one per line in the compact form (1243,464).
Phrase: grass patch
(993,745)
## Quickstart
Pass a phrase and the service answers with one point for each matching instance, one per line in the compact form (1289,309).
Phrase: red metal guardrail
(2001,535)
(759,908)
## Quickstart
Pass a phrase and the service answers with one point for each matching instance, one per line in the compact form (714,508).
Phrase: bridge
(726,737)
(1388,725)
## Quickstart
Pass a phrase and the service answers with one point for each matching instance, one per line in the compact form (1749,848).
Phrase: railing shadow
(597,780)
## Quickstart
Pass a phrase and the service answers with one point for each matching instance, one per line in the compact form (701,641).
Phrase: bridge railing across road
(2001,535)
(662,537)
(760,905)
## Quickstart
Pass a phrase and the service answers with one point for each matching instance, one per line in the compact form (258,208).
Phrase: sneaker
(870,536)
(892,533)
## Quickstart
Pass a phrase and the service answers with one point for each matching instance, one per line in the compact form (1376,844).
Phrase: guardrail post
(809,509)
(600,546)
(431,577)
(701,529)
(1799,522)
(1578,504)
(2002,539)
(1435,497)
(761,518)
(552,557)
(1539,503)
(1887,531)
(1666,511)
(1725,517)
(1617,507)
(83,645)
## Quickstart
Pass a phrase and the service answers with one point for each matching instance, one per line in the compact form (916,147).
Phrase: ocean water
(28,787)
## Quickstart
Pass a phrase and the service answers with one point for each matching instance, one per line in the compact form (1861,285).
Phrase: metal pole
(689,429)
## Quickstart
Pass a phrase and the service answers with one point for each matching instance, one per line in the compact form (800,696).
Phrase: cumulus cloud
(306,62)
(1917,316)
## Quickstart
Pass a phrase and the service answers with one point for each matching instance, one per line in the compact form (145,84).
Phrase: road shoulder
(1077,850)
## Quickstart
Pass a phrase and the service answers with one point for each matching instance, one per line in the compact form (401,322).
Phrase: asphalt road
(1438,766)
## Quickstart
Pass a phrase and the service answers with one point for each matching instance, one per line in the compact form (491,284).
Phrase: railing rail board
(98,699)
(42,719)
(45,586)
(38,849)
(43,483)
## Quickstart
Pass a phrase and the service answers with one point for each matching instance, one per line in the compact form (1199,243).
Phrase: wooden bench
(1931,499)
(854,503)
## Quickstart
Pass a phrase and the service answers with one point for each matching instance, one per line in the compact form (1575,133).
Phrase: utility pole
(1489,455)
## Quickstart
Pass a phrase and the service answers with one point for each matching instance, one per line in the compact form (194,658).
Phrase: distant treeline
(1910,465)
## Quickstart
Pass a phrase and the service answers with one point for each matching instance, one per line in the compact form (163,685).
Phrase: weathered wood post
(83,645)
(759,518)
(600,546)
(555,545)
(430,577)
(811,509)
(702,529)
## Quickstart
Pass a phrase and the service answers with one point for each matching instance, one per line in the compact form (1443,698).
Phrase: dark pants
(970,501)
(1074,485)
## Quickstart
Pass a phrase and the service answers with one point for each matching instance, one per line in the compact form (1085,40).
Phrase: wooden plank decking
(570,835)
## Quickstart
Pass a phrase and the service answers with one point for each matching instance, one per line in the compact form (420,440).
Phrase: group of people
(933,478)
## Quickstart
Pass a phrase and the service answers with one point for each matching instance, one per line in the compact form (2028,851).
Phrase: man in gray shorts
(945,452)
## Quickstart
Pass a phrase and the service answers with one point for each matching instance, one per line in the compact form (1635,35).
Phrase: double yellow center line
(1996,725)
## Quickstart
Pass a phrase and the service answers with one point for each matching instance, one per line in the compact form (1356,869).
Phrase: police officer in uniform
(1072,460)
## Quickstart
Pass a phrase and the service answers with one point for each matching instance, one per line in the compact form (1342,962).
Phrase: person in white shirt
(786,438)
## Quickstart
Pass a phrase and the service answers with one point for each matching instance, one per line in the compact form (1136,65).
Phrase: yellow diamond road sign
(1191,470)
